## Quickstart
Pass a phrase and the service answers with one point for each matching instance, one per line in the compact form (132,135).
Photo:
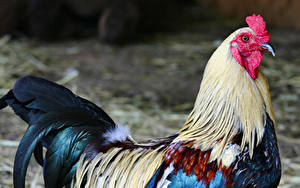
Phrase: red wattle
(252,63)
(236,55)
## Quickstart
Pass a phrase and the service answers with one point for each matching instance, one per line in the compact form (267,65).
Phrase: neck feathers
(229,101)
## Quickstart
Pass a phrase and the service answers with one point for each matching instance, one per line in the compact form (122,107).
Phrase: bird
(227,140)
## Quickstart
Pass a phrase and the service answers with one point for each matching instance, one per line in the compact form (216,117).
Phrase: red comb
(258,25)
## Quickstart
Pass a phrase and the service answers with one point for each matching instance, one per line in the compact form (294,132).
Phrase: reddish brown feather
(195,161)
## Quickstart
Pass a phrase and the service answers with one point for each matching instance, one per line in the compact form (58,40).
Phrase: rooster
(228,140)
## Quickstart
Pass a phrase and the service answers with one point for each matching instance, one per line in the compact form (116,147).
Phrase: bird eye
(245,38)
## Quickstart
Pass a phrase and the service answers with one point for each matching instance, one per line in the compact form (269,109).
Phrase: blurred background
(142,61)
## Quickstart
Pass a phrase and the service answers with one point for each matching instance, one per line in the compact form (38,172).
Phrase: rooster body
(228,139)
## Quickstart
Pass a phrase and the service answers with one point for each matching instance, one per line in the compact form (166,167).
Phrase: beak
(269,47)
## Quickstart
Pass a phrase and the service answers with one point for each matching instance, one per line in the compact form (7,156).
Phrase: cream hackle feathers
(229,101)
(120,168)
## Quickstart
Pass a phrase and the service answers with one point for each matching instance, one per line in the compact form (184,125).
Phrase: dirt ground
(149,85)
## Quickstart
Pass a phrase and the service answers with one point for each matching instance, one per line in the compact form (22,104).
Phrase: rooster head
(248,45)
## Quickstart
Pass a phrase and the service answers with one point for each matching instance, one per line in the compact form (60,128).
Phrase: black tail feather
(41,94)
(38,154)
(60,121)
(70,130)
(31,97)
(3,102)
